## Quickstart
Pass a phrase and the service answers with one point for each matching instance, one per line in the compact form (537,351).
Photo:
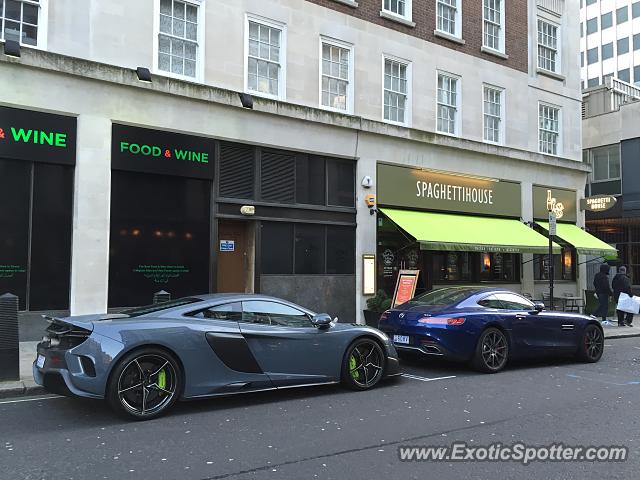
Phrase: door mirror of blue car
(538,307)
(321,320)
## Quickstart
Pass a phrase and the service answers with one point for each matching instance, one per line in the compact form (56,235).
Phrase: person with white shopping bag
(626,306)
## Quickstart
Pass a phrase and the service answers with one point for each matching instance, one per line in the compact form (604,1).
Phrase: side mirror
(321,320)
(538,306)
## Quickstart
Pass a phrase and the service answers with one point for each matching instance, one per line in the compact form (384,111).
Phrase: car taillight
(442,320)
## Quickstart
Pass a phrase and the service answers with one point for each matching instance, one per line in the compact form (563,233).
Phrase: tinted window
(592,25)
(341,250)
(606,21)
(623,45)
(625,76)
(443,296)
(607,51)
(499,267)
(229,311)
(158,307)
(592,55)
(341,181)
(310,180)
(309,248)
(511,301)
(636,42)
(273,313)
(622,14)
(490,302)
(277,248)
(635,9)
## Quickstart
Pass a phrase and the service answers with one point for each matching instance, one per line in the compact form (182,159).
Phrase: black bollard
(9,346)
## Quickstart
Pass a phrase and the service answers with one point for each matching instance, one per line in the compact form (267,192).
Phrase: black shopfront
(37,160)
(191,214)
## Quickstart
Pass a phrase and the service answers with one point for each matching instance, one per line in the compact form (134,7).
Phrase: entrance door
(235,257)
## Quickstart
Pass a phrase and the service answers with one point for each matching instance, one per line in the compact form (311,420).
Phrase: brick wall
(424,16)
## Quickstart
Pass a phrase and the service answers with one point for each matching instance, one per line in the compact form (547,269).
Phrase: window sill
(550,74)
(177,76)
(495,53)
(254,93)
(397,18)
(348,3)
(448,36)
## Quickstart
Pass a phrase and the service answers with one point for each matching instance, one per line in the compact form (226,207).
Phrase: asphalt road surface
(331,433)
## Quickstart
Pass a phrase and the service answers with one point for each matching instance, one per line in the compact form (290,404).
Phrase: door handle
(521,317)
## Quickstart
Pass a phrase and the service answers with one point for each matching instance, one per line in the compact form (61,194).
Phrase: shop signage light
(560,201)
(598,203)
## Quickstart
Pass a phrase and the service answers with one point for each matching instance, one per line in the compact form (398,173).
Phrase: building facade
(252,158)
(609,41)
(612,148)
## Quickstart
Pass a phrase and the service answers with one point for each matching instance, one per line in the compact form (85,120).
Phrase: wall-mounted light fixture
(12,48)
(246,100)
(144,75)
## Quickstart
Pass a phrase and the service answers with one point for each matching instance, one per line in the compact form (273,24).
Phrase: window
(622,15)
(581,30)
(340,250)
(277,248)
(591,2)
(493,15)
(448,104)
(401,8)
(592,26)
(593,82)
(452,266)
(229,311)
(636,41)
(341,181)
(548,129)
(606,21)
(396,96)
(274,313)
(624,75)
(582,59)
(636,74)
(635,9)
(336,76)
(310,179)
(606,163)
(19,21)
(511,301)
(448,17)
(265,58)
(607,51)
(548,47)
(592,55)
(309,242)
(178,45)
(490,301)
(492,114)
(499,267)
(623,45)
(563,265)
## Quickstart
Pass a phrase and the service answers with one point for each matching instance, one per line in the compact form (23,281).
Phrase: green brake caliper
(162,379)
(352,368)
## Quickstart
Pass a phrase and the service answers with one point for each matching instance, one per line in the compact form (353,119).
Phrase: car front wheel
(492,351)
(363,364)
(145,384)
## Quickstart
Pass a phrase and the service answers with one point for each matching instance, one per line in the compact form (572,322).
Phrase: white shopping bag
(628,304)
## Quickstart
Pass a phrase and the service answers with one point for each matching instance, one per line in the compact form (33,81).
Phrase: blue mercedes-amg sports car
(143,360)
(488,327)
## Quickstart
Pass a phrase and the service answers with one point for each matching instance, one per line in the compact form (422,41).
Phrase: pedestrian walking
(622,284)
(603,291)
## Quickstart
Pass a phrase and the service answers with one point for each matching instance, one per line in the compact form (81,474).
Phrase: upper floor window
(493,17)
(265,58)
(622,15)
(396,91)
(592,25)
(448,104)
(336,76)
(178,45)
(548,129)
(492,108)
(448,17)
(19,20)
(401,8)
(606,21)
(548,46)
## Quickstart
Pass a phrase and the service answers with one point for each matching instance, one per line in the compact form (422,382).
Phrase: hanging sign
(598,203)
(405,287)
(557,200)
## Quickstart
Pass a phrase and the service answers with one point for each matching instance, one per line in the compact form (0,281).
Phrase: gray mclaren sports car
(145,359)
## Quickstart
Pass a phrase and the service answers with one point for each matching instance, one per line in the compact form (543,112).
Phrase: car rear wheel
(492,351)
(592,344)
(145,384)
(363,364)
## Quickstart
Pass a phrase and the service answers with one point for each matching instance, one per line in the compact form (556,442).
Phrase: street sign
(227,245)
(552,224)
(598,203)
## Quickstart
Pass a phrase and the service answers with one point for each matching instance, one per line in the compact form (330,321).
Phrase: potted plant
(376,305)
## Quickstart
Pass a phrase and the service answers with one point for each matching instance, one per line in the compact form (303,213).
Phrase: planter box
(372,318)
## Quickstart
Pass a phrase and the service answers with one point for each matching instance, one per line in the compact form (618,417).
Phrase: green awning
(584,243)
(443,231)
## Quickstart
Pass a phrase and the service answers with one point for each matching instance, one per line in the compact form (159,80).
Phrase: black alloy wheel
(145,384)
(363,364)
(592,345)
(492,351)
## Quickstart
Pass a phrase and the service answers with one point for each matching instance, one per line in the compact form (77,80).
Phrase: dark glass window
(51,237)
(452,266)
(511,301)
(277,248)
(622,15)
(592,25)
(310,180)
(606,21)
(341,181)
(623,45)
(635,9)
(625,76)
(15,185)
(490,302)
(564,266)
(593,82)
(499,267)
(636,41)
(229,311)
(160,237)
(592,55)
(607,51)
(636,74)
(309,249)
(274,313)
(341,248)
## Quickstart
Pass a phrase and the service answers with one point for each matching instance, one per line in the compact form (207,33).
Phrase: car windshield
(442,296)
(138,311)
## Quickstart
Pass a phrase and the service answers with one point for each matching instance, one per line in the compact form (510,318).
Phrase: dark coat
(621,284)
(601,281)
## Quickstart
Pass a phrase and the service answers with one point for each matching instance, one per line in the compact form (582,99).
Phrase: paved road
(329,433)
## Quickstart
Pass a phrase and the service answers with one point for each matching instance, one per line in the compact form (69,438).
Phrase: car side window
(512,301)
(228,311)
(490,301)
(274,313)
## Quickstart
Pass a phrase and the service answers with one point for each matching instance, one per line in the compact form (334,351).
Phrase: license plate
(401,339)
(40,361)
